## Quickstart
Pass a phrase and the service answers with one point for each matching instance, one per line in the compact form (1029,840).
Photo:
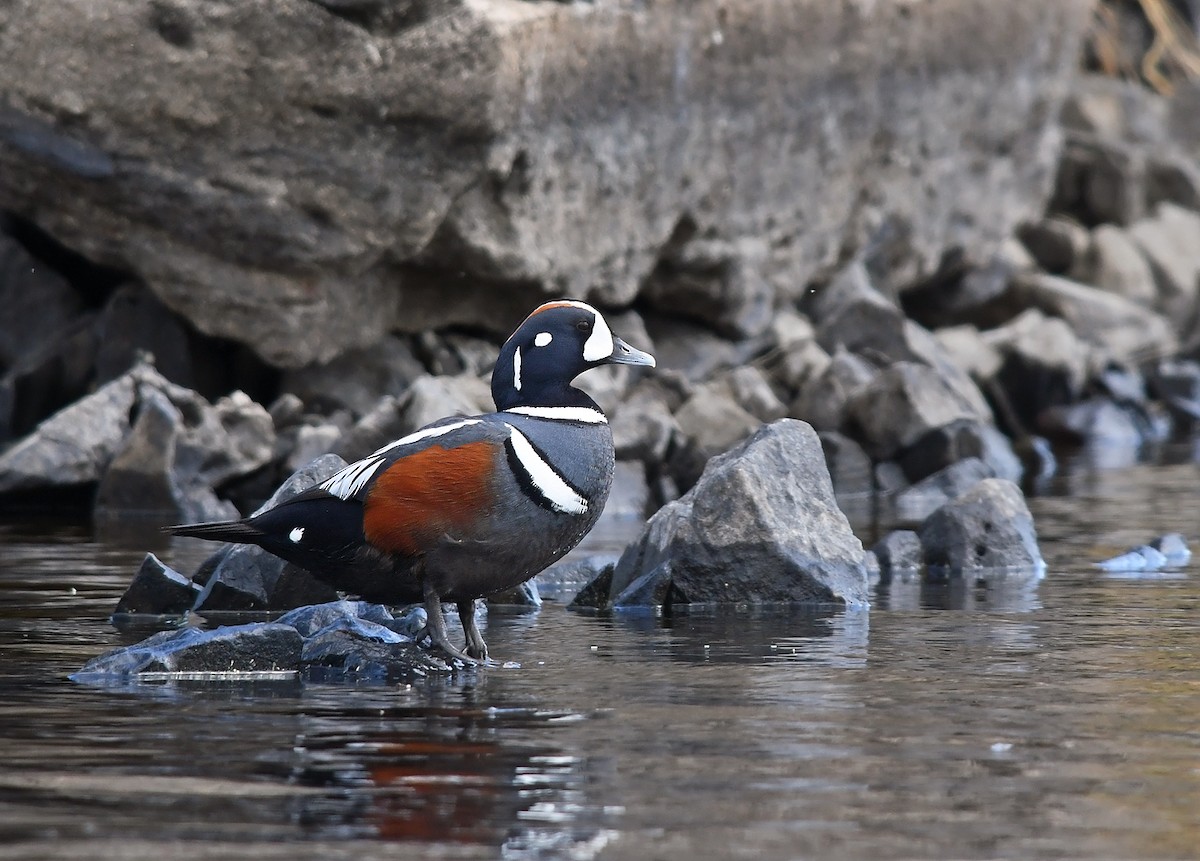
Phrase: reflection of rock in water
(448,775)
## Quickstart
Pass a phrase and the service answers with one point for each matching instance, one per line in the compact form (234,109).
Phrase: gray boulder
(1042,364)
(1169,239)
(988,528)
(902,404)
(234,649)
(761,525)
(1115,265)
(356,379)
(822,399)
(948,444)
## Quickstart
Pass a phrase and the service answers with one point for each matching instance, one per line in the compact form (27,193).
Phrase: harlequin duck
(467,506)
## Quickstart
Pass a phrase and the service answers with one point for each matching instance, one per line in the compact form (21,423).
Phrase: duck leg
(476,647)
(435,628)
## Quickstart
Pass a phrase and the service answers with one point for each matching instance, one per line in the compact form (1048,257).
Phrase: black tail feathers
(236,531)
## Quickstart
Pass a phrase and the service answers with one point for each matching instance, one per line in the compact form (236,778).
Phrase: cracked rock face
(305,176)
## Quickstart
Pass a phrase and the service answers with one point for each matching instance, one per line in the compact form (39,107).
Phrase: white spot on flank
(542,339)
(553,488)
(296,534)
(517,369)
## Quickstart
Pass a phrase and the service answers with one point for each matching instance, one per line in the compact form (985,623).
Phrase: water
(1053,721)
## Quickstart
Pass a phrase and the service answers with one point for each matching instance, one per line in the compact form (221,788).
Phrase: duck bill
(623,354)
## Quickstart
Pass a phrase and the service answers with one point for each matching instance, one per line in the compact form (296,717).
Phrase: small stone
(1056,243)
(823,398)
(898,552)
(915,503)
(158,589)
(524,595)
(1115,265)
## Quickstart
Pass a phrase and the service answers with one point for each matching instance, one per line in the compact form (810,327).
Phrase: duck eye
(583,325)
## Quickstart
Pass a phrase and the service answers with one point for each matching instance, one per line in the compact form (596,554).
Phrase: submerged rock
(988,528)
(233,649)
(761,525)
(899,552)
(358,647)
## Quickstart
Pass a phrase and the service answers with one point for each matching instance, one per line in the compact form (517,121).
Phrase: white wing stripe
(570,414)
(556,491)
(354,477)
(426,434)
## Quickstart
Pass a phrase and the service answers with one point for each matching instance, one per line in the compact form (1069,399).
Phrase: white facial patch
(599,344)
(552,486)
(517,369)
(542,339)
(296,534)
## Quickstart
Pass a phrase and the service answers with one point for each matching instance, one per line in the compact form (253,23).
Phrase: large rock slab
(761,525)
(304,177)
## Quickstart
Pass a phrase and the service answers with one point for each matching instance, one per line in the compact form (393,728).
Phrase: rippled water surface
(1059,720)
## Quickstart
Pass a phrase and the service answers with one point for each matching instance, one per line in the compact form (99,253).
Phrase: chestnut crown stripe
(599,344)
(352,479)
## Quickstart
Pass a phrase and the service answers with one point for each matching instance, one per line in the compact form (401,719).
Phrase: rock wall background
(919,227)
(305,176)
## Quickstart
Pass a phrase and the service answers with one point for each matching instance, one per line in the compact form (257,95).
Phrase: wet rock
(899,552)
(1125,330)
(565,579)
(1043,364)
(1143,558)
(312,618)
(158,589)
(915,503)
(295,587)
(849,467)
(987,528)
(822,400)
(232,649)
(1169,239)
(1174,547)
(956,441)
(242,581)
(356,379)
(143,478)
(1057,244)
(1116,265)
(357,647)
(597,594)
(762,524)
(902,404)
(75,445)
(526,594)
